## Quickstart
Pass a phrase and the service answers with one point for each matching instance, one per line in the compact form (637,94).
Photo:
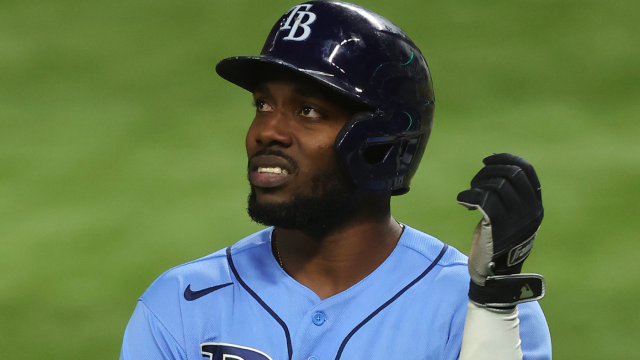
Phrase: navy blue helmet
(368,59)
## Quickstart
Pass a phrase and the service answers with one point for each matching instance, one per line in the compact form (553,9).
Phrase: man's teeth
(272,170)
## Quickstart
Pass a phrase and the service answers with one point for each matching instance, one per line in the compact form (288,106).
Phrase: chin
(323,209)
(270,196)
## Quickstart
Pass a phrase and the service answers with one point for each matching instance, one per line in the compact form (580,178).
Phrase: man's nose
(274,129)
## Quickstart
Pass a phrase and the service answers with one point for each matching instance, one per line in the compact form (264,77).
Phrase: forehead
(305,86)
(297,87)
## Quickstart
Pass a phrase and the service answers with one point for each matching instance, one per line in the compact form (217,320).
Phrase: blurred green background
(122,154)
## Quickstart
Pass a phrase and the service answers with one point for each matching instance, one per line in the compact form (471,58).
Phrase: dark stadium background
(122,155)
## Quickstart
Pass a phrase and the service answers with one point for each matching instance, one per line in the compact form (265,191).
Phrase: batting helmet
(366,58)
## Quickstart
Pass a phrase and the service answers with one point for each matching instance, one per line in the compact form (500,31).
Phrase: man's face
(296,178)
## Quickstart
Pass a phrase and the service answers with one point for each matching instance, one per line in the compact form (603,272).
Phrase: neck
(329,259)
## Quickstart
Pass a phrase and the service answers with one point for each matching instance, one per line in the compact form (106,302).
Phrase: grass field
(122,155)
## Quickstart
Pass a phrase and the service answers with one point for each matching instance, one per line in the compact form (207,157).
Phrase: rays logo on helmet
(298,16)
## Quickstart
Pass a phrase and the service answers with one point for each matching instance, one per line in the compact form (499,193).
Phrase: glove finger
(515,176)
(528,194)
(506,199)
(495,171)
(509,159)
(501,159)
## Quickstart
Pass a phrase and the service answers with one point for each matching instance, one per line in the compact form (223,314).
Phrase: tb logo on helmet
(298,16)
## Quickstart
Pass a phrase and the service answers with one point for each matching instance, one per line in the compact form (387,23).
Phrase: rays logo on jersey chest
(224,351)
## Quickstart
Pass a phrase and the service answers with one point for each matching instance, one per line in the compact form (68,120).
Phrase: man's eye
(263,106)
(310,112)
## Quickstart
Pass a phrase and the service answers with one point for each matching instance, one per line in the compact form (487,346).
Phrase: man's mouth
(269,171)
(273,170)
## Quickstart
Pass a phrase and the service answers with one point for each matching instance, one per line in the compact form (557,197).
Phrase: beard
(331,202)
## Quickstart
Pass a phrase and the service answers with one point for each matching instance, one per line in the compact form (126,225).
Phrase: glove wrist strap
(507,291)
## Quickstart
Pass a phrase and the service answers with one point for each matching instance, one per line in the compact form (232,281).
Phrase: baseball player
(344,109)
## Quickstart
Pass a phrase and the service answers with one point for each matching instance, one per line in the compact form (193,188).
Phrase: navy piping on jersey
(264,305)
(344,342)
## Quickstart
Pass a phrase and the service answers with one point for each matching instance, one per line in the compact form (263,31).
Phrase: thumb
(475,199)
(472,198)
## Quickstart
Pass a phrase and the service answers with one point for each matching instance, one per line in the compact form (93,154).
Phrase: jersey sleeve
(534,332)
(146,338)
(454,341)
(450,279)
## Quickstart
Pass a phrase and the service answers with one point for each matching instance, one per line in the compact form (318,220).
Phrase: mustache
(277,153)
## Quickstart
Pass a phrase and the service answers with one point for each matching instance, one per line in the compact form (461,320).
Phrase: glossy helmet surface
(366,58)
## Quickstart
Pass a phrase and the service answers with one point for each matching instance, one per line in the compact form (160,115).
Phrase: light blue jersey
(238,304)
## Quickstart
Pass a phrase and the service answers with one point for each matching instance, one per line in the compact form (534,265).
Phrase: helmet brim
(249,71)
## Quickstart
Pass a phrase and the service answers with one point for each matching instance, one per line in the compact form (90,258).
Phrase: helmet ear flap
(373,157)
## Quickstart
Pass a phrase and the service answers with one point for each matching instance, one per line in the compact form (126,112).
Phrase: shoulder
(168,306)
(167,290)
(448,271)
(451,281)
(433,249)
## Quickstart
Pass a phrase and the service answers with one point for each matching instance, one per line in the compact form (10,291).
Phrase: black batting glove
(507,194)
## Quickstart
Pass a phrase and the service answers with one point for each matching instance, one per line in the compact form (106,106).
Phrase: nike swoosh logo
(193,295)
